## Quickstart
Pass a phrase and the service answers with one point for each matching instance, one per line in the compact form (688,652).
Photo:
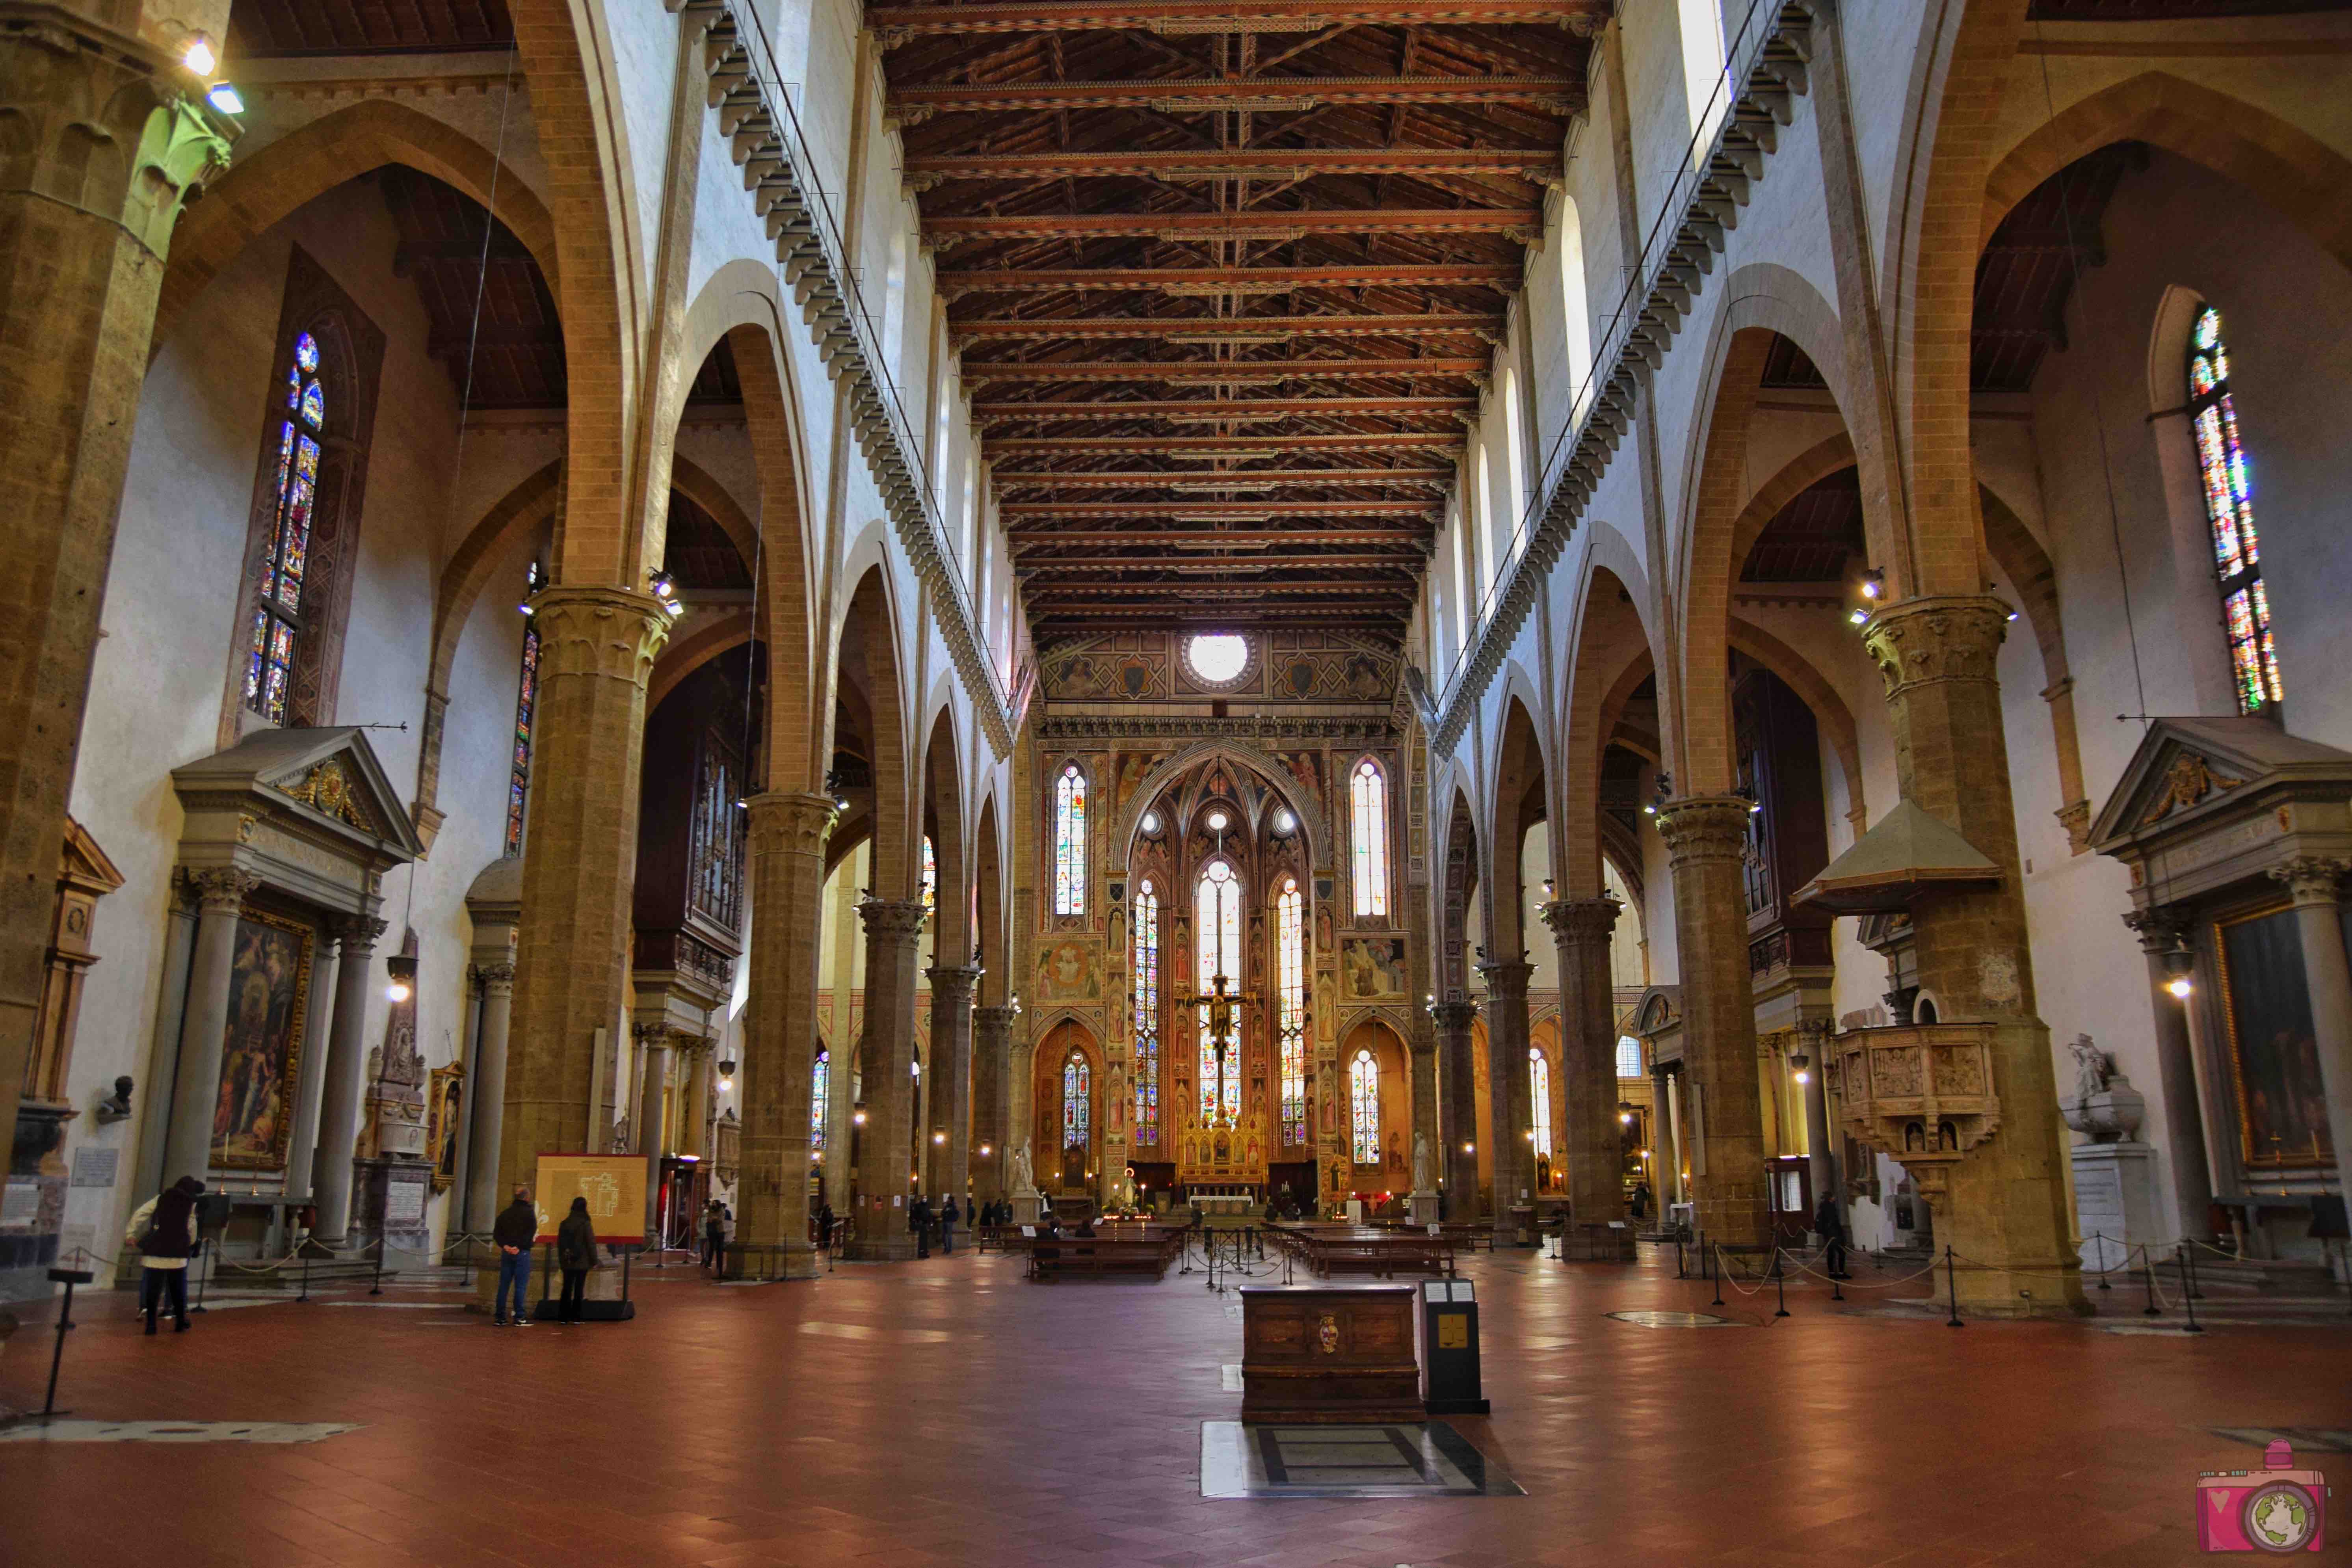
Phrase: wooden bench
(1358,1249)
(1051,1258)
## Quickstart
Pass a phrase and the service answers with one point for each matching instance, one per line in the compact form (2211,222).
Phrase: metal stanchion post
(1781,1280)
(2100,1243)
(1835,1294)
(306,1278)
(205,1250)
(1952,1290)
(2147,1268)
(1714,1261)
(68,1278)
(2188,1298)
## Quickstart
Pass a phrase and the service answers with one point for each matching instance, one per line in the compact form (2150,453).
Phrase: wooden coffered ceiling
(1226,276)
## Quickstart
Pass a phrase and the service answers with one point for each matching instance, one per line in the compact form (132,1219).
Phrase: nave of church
(1629,656)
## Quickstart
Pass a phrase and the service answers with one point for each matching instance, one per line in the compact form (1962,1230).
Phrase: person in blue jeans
(515,1232)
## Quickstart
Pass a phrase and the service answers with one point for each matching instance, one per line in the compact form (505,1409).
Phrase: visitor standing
(164,1231)
(575,1253)
(948,1217)
(919,1216)
(1641,1199)
(1829,1221)
(825,1227)
(515,1232)
(714,1235)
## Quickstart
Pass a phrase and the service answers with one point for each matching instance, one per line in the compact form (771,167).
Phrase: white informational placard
(95,1167)
(403,1203)
(20,1206)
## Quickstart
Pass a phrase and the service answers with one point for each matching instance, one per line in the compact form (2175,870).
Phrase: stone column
(2312,882)
(1706,838)
(694,1067)
(653,1044)
(841,1131)
(951,1076)
(894,927)
(1507,1086)
(2005,1212)
(1821,1161)
(204,1028)
(483,1197)
(1588,1038)
(1670,1148)
(788,833)
(597,647)
(2161,932)
(338,1113)
(1457,1118)
(103,149)
(991,1042)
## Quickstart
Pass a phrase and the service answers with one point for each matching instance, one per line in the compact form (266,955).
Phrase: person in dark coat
(164,1231)
(515,1231)
(1641,1205)
(1829,1222)
(824,1223)
(714,1235)
(575,1253)
(948,1217)
(919,1217)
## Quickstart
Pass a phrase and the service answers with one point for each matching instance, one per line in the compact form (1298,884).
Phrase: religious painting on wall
(261,1052)
(444,1100)
(1066,971)
(2274,1048)
(1372,968)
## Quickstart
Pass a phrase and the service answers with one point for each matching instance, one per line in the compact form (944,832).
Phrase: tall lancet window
(1539,1097)
(1290,911)
(1367,837)
(1217,939)
(1364,1108)
(1070,842)
(283,614)
(820,1092)
(1077,1129)
(931,878)
(2229,509)
(1147,1014)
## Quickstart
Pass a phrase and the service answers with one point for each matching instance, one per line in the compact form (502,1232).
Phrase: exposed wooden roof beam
(1260,223)
(1033,570)
(1370,594)
(1164,538)
(914,102)
(895,23)
(1238,445)
(1498,275)
(1219,371)
(1177,327)
(1260,408)
(1016,512)
(1241,480)
(1261,162)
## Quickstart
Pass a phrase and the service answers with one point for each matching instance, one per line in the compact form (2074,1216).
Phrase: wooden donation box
(1328,1353)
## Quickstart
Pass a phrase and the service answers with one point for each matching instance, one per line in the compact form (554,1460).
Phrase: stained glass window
(931,878)
(278,617)
(2229,509)
(1070,842)
(1364,1108)
(518,769)
(1217,939)
(820,1091)
(1147,1014)
(1629,1056)
(1368,839)
(1290,911)
(1077,1127)
(1539,1097)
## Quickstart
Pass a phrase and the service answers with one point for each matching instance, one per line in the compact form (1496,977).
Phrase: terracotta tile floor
(949,1413)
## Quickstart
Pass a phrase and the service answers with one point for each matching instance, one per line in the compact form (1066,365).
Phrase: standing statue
(2090,1068)
(1425,1177)
(1022,1180)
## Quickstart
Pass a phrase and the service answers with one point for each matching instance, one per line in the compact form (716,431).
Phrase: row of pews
(1115,1248)
(1380,1251)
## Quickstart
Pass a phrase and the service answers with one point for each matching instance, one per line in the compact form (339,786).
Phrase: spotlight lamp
(402,969)
(199,55)
(1858,618)
(226,99)
(2177,965)
(665,587)
(857,1117)
(1873,583)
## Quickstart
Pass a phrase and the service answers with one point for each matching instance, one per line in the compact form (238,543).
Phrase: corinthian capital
(608,633)
(2312,878)
(1453,1017)
(221,890)
(2159,930)
(794,823)
(952,980)
(894,920)
(1924,641)
(1704,827)
(1580,919)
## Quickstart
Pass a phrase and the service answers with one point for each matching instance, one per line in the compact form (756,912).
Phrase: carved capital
(1453,1017)
(794,823)
(1925,641)
(221,890)
(953,981)
(496,979)
(606,634)
(894,920)
(2312,878)
(2159,930)
(2074,816)
(1578,921)
(357,934)
(1702,827)
(994,1026)
(1508,979)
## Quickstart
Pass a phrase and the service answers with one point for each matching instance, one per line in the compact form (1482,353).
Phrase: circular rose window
(1217,659)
